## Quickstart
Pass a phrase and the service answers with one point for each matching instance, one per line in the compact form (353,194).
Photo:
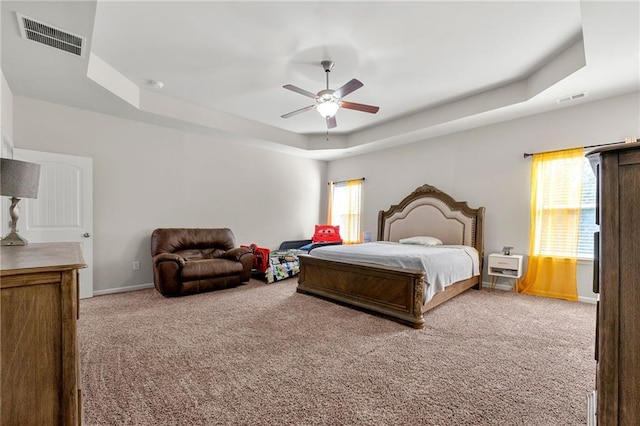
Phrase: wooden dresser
(617,280)
(39,343)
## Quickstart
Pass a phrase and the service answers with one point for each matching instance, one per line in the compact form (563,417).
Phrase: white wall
(6,136)
(6,117)
(146,177)
(485,167)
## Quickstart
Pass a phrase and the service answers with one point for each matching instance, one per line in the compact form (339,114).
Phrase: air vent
(40,32)
(572,97)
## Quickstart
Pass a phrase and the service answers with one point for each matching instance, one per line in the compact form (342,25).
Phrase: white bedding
(443,264)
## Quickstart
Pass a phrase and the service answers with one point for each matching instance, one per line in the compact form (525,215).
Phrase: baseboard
(506,287)
(498,286)
(122,289)
(590,300)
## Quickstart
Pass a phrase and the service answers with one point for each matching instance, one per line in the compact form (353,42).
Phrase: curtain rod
(342,181)
(527,155)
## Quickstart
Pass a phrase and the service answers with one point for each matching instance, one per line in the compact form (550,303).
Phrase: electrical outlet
(136,265)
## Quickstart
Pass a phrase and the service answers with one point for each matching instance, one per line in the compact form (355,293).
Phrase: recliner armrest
(236,253)
(168,257)
(243,255)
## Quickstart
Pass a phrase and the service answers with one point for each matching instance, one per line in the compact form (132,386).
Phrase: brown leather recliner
(194,260)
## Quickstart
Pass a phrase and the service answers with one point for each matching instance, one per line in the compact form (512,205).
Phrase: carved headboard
(430,212)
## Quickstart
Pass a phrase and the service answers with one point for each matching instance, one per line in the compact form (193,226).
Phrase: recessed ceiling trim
(43,33)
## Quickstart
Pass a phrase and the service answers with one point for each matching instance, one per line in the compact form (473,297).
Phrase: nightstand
(503,265)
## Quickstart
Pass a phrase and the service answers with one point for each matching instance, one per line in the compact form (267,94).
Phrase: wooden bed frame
(394,292)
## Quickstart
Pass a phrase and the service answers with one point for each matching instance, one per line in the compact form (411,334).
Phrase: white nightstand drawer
(504,262)
(502,265)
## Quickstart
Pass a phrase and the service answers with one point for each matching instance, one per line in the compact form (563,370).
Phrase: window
(344,208)
(588,211)
(559,182)
(557,196)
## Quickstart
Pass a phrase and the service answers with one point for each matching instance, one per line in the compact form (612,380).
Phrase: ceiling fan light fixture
(328,109)
(328,101)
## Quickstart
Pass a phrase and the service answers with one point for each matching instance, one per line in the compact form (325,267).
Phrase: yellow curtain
(556,192)
(330,203)
(352,222)
(344,209)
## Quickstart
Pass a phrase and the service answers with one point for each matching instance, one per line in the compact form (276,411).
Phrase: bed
(400,293)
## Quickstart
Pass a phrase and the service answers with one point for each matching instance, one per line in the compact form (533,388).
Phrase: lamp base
(13,239)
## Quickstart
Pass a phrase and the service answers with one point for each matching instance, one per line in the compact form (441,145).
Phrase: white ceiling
(432,67)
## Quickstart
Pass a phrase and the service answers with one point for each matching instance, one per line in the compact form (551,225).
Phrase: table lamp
(18,179)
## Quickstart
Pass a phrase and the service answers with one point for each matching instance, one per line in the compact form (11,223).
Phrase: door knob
(86,235)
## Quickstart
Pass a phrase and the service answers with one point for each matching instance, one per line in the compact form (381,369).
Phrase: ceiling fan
(328,101)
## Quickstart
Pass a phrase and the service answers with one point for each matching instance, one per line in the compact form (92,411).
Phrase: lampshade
(328,108)
(19,179)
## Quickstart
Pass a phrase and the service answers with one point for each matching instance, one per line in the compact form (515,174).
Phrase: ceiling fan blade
(359,107)
(299,90)
(298,111)
(348,88)
(331,122)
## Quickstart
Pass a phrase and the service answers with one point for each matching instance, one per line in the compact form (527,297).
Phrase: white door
(63,210)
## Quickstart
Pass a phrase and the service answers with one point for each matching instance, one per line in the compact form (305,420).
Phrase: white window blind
(587,211)
(557,210)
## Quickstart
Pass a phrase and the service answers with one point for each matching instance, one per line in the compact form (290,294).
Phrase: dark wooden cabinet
(39,346)
(617,280)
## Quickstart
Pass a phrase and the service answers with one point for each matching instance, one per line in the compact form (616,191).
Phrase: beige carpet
(265,355)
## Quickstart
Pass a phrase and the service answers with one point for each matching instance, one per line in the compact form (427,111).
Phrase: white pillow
(423,241)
